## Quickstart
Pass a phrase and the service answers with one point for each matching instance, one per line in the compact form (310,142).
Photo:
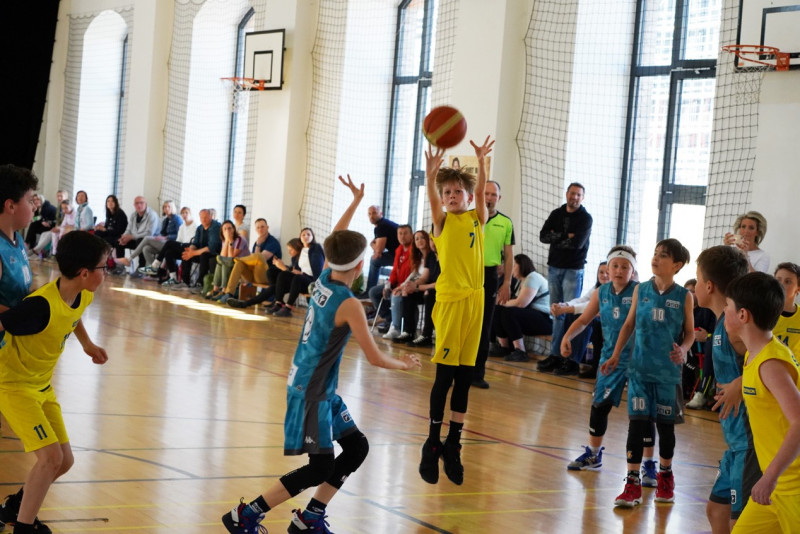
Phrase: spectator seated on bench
(294,246)
(253,268)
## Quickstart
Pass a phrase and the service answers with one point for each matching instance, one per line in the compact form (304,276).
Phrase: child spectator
(788,328)
(16,211)
(661,317)
(771,390)
(33,335)
(458,314)
(704,322)
(316,415)
(612,301)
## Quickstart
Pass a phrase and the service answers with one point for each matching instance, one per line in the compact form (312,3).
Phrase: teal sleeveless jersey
(659,324)
(16,280)
(727,368)
(315,368)
(614,310)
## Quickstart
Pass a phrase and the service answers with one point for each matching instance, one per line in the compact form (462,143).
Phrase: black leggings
(411,311)
(637,440)
(460,377)
(324,468)
(513,323)
(291,283)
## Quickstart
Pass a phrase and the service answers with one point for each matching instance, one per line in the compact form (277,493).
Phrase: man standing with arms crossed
(567,231)
(498,241)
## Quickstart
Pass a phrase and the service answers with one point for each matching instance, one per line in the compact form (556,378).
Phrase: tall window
(207,142)
(411,99)
(97,148)
(670,114)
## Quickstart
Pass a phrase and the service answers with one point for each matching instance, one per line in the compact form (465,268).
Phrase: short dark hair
(791,267)
(406,226)
(722,264)
(526,266)
(690,282)
(576,184)
(675,250)
(448,175)
(80,250)
(760,294)
(262,219)
(244,209)
(14,183)
(344,246)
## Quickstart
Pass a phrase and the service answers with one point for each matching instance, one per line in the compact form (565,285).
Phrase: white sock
(156,264)
(173,276)
(595,450)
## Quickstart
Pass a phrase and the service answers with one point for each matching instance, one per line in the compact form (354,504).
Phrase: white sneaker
(392,333)
(698,402)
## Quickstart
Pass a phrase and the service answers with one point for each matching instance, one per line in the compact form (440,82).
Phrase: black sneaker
(237,303)
(9,510)
(568,368)
(451,458)
(498,351)
(549,364)
(421,341)
(589,373)
(518,356)
(480,383)
(429,464)
(405,337)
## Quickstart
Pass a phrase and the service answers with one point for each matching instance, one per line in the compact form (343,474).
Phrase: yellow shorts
(34,416)
(783,515)
(458,330)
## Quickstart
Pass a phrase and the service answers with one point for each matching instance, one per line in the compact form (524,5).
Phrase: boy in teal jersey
(33,336)
(315,415)
(717,267)
(612,302)
(661,317)
(16,212)
(771,391)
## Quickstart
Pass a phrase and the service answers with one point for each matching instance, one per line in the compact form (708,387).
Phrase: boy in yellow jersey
(32,337)
(788,328)
(458,312)
(771,391)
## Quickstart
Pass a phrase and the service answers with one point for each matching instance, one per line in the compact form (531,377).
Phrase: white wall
(776,187)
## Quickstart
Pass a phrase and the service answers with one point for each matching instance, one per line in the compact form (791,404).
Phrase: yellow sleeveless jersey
(788,330)
(767,422)
(28,361)
(460,248)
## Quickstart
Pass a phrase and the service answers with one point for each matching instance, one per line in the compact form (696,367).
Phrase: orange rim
(247,83)
(768,56)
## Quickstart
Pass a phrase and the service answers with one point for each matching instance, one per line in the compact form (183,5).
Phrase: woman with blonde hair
(748,232)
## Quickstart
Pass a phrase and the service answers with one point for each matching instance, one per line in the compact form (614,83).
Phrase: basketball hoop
(747,65)
(240,90)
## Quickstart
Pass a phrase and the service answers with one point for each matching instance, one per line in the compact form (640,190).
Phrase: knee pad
(666,440)
(318,470)
(355,448)
(598,420)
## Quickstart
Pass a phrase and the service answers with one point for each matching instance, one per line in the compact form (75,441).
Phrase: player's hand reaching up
(411,361)
(433,160)
(358,193)
(483,150)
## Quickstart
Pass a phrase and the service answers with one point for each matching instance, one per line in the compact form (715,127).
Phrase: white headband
(622,254)
(346,266)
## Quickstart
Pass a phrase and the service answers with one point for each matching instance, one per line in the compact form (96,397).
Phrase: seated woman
(239,211)
(573,309)
(150,246)
(254,268)
(296,280)
(51,237)
(44,216)
(409,289)
(168,275)
(294,246)
(233,246)
(84,218)
(526,314)
(115,224)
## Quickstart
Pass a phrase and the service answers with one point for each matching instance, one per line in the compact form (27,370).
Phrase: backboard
(772,23)
(263,57)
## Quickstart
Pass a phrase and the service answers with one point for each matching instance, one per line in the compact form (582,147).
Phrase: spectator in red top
(401,269)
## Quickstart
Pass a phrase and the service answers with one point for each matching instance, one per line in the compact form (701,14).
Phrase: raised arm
(358,195)
(433,160)
(480,188)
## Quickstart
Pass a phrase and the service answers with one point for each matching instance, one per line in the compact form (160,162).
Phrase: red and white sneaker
(631,495)
(665,491)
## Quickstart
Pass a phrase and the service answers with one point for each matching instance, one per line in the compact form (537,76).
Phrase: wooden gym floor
(187,415)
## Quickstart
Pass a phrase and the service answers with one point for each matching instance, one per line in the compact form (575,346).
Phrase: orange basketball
(444,127)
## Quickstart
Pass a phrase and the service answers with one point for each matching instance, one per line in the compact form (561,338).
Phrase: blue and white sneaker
(300,524)
(588,461)
(649,474)
(238,520)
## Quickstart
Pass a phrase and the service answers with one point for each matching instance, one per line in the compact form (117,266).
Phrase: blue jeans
(565,285)
(386,259)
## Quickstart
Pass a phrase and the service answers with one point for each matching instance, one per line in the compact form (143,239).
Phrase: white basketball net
(746,76)
(239,92)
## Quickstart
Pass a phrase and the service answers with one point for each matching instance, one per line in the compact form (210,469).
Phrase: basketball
(444,127)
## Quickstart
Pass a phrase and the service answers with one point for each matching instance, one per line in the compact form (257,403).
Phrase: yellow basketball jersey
(29,361)
(767,421)
(788,330)
(460,248)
